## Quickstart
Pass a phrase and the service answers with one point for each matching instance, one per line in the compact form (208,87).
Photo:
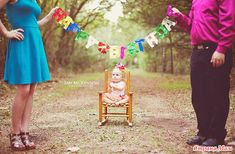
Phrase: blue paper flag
(73,27)
(140,43)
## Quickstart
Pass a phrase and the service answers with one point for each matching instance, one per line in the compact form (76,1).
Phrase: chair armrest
(130,93)
(101,92)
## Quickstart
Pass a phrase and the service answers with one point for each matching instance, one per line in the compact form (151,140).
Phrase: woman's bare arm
(13,33)
(3,3)
(2,27)
(47,18)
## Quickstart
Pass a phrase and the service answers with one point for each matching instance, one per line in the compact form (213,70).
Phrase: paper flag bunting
(114,52)
(59,14)
(81,35)
(122,53)
(66,22)
(140,43)
(73,27)
(103,48)
(161,31)
(168,23)
(151,39)
(91,41)
(131,47)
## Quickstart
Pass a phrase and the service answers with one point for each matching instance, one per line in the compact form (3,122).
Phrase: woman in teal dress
(26,63)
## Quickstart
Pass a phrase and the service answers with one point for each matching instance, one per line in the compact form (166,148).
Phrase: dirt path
(72,121)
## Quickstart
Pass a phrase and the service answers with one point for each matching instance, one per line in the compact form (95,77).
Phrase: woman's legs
(18,107)
(28,109)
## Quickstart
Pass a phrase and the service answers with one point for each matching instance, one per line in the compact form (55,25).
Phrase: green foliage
(174,85)
(176,46)
(150,12)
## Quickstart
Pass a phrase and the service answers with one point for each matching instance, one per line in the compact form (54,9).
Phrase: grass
(174,85)
(170,82)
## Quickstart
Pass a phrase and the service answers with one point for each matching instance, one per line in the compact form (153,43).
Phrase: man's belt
(205,46)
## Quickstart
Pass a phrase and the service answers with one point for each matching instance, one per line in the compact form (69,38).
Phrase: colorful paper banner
(152,38)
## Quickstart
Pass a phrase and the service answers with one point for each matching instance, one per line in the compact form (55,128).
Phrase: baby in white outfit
(116,92)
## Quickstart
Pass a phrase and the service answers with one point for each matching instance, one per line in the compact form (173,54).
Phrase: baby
(116,92)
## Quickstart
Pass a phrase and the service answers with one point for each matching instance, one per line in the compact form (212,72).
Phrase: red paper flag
(103,48)
(59,14)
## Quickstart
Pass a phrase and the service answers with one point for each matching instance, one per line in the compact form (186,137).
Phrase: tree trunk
(154,67)
(164,59)
(3,43)
(172,58)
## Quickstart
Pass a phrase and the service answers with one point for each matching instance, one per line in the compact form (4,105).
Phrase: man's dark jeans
(210,91)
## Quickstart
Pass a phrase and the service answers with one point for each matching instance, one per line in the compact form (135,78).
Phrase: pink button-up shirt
(210,21)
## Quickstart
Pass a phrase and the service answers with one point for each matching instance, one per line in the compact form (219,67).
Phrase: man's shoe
(213,142)
(196,140)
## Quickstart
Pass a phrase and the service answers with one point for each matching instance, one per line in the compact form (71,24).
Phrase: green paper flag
(161,31)
(81,35)
(132,49)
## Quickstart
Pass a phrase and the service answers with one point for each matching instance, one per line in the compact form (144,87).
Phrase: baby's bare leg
(108,101)
(122,101)
(111,97)
(108,98)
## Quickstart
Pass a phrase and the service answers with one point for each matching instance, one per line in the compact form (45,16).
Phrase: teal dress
(26,61)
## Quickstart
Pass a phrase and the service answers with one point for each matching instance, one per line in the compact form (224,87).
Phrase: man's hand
(217,59)
(175,10)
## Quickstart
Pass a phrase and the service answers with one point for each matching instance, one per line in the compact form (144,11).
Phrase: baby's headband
(121,67)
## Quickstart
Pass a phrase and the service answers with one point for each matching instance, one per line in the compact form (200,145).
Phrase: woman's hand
(15,34)
(52,12)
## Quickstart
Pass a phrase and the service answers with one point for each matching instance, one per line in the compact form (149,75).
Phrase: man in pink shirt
(211,24)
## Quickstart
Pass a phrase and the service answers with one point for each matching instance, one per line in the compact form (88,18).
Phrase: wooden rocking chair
(103,106)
